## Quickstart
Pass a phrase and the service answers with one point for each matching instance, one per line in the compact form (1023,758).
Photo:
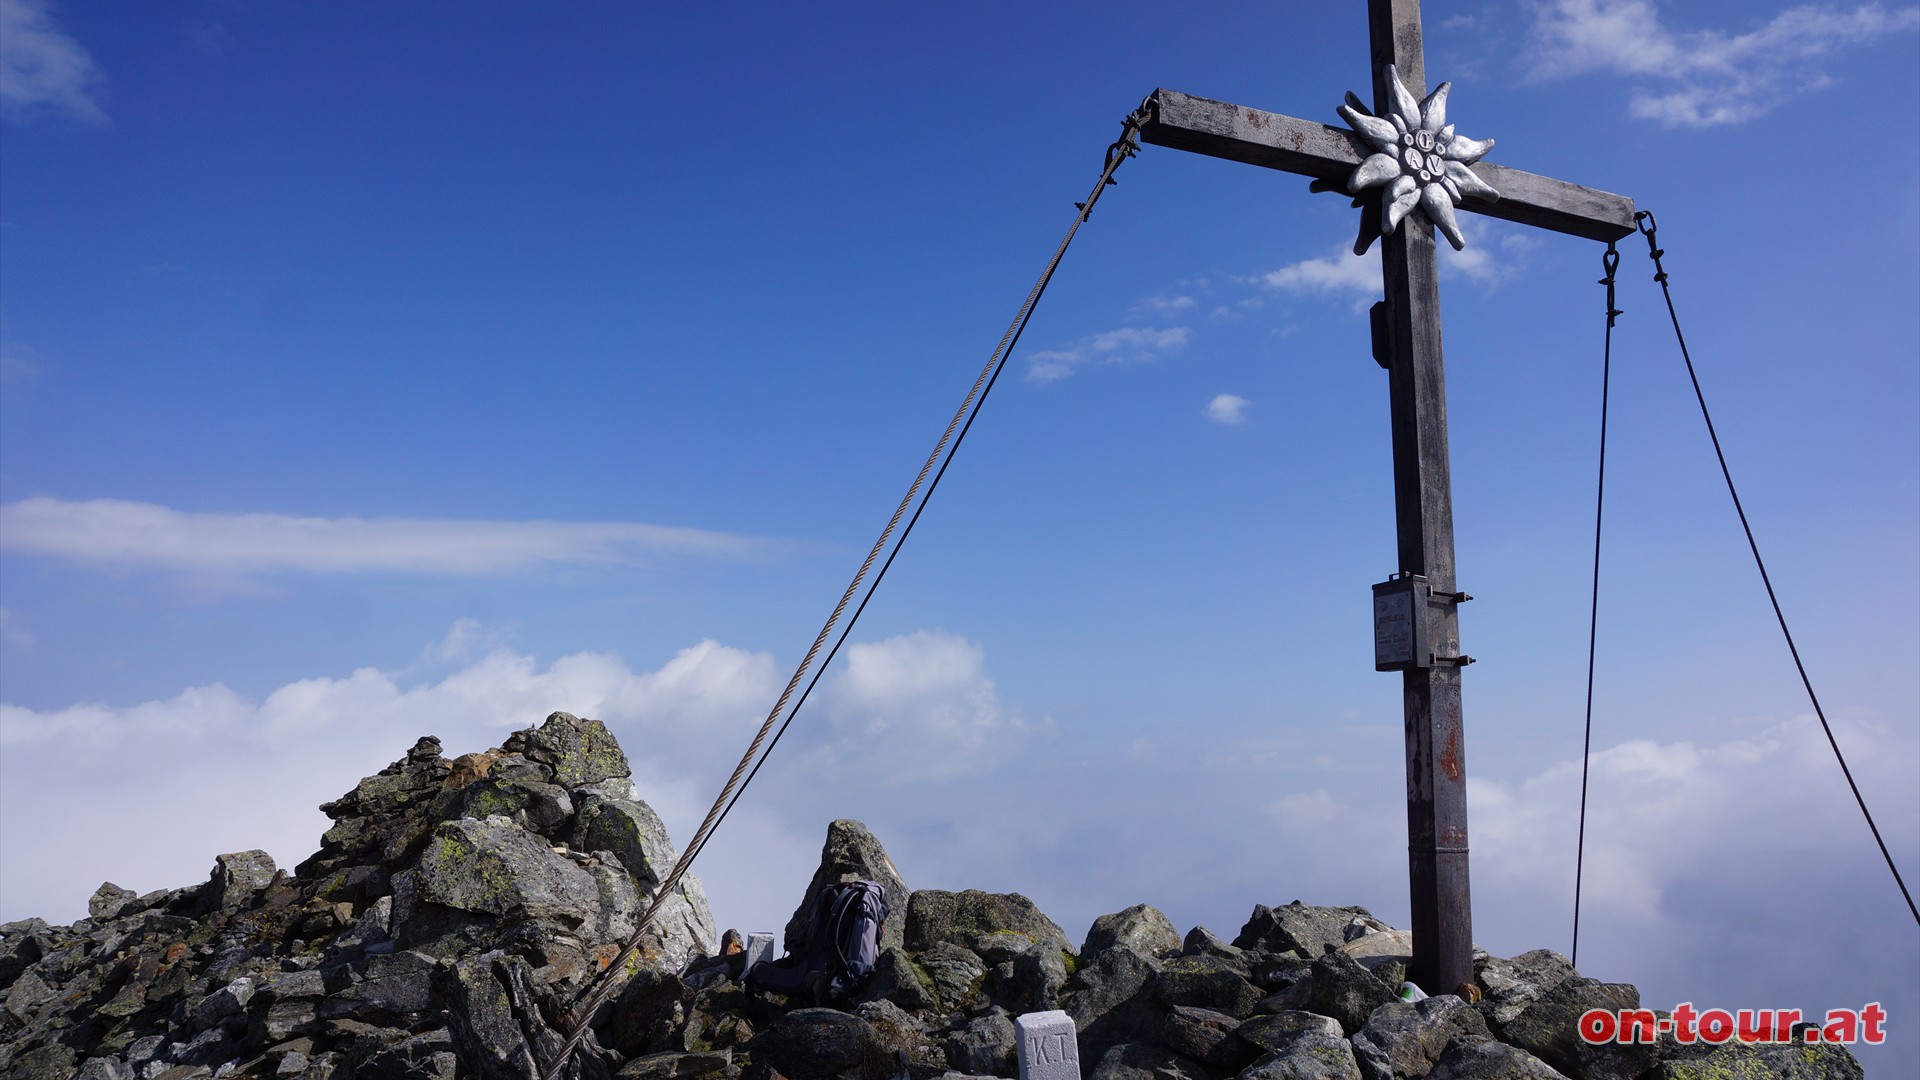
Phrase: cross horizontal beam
(1237,133)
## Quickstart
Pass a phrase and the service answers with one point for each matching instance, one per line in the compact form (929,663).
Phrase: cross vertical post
(1423,515)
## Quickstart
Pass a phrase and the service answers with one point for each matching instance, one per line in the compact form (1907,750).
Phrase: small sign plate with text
(1400,624)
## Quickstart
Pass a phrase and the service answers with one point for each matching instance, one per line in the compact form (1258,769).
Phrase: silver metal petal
(1434,200)
(1467,150)
(1405,105)
(1397,203)
(1377,131)
(1433,111)
(1469,182)
(1418,157)
(1373,172)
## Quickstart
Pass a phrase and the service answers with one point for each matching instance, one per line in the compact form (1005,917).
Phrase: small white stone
(759,949)
(1047,1046)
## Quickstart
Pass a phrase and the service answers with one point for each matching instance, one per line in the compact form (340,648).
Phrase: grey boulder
(1207,982)
(1344,990)
(492,866)
(1313,1056)
(579,752)
(1402,1040)
(1141,928)
(1298,927)
(1112,1000)
(1485,1059)
(1145,1061)
(814,1044)
(1549,1029)
(236,878)
(851,853)
(962,918)
(984,1046)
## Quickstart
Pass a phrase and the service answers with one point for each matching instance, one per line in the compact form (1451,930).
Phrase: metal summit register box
(1400,623)
(1403,623)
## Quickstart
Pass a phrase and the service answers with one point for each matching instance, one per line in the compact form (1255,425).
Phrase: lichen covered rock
(852,854)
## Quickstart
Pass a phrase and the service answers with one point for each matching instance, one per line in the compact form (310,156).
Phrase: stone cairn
(456,908)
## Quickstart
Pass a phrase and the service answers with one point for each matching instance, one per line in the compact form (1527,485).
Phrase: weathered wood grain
(1290,144)
(1439,890)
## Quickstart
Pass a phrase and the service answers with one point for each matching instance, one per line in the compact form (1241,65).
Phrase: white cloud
(1305,810)
(1128,345)
(1495,252)
(466,640)
(14,633)
(127,533)
(1167,303)
(1715,77)
(43,70)
(171,783)
(1492,255)
(1228,409)
(1663,815)
(916,707)
(704,684)
(1341,272)
(194,711)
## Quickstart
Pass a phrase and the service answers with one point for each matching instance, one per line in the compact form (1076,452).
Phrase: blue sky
(371,372)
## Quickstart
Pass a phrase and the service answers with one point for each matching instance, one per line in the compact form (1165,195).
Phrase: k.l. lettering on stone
(1047,1046)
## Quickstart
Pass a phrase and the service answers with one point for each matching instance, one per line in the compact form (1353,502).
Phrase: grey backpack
(843,944)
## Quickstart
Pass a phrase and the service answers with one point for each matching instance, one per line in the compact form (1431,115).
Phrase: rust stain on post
(1450,754)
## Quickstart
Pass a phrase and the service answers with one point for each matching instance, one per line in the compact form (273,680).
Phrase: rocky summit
(457,909)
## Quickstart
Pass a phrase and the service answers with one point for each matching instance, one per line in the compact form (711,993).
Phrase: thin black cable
(1611,261)
(1086,209)
(1649,227)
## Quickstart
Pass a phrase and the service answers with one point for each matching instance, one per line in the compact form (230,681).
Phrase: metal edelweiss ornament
(1417,158)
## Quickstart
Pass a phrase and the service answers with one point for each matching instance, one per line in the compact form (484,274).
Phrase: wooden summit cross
(1407,343)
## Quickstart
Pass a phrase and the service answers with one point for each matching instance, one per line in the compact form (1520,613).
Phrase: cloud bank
(1697,849)
(168,784)
(1702,78)
(1128,345)
(1339,272)
(139,534)
(44,72)
(1494,253)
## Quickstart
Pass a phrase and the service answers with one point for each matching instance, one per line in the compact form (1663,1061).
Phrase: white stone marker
(1047,1046)
(759,948)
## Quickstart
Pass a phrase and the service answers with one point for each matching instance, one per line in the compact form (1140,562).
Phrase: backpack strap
(847,898)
